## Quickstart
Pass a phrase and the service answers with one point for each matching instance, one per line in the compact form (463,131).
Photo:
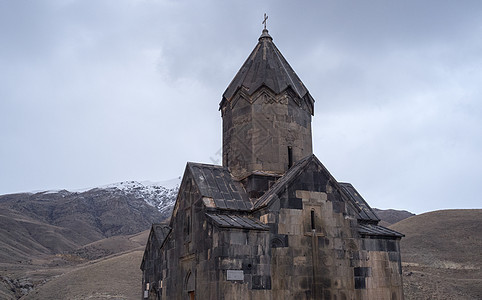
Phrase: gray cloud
(94,93)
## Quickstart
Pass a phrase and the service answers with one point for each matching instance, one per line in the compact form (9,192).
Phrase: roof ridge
(365,211)
(190,163)
(293,86)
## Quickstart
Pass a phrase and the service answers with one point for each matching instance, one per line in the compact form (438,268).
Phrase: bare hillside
(392,216)
(112,245)
(23,238)
(46,234)
(41,278)
(117,277)
(442,254)
(60,222)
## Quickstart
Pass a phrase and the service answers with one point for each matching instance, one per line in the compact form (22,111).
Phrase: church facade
(271,222)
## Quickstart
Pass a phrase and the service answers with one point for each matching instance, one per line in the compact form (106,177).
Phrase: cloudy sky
(96,92)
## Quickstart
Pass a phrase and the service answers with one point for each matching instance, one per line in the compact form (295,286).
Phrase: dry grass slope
(112,245)
(114,275)
(442,254)
(22,238)
(392,216)
(117,277)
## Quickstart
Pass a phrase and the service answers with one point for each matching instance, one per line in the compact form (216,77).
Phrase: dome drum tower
(266,113)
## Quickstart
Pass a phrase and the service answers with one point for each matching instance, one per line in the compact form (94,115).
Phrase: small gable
(365,212)
(157,236)
(307,174)
(216,183)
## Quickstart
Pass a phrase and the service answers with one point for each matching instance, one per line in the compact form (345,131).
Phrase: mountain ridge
(50,222)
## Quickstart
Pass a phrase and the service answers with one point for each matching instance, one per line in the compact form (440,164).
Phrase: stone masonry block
(299,260)
(303,194)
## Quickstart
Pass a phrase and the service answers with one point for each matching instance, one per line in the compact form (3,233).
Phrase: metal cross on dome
(265,20)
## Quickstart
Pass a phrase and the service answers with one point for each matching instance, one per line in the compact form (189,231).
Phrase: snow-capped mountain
(160,195)
(51,222)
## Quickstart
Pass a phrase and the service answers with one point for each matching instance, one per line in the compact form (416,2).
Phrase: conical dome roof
(266,66)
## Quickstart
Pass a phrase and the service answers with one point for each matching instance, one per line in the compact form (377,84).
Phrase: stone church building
(271,222)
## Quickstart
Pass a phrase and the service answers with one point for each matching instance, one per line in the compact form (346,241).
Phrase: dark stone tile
(362,272)
(360,283)
(295,203)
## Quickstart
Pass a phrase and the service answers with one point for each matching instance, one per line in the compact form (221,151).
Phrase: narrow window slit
(290,157)
(312,220)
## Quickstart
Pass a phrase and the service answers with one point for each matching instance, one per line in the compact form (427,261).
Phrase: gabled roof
(227,194)
(377,230)
(280,184)
(365,212)
(217,183)
(266,66)
(236,221)
(159,233)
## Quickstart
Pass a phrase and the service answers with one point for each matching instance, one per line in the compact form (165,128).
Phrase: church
(271,222)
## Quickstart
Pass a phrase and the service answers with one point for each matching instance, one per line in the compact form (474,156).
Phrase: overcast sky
(96,92)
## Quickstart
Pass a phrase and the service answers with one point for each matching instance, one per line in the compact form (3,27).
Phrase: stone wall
(243,263)
(259,128)
(319,253)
